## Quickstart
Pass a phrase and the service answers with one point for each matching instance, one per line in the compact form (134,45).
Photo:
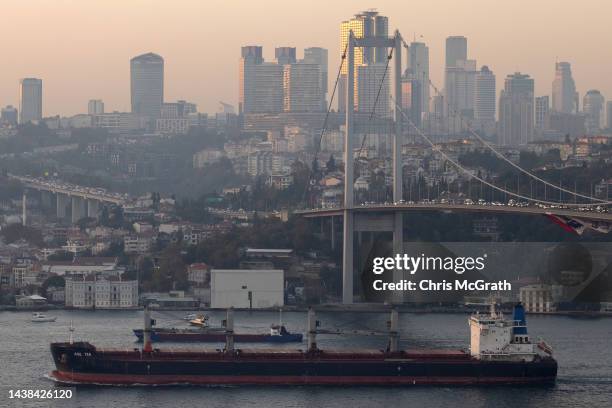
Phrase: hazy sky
(81,48)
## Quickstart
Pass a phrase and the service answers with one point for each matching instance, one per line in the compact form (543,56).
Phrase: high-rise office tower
(369,78)
(302,91)
(456,50)
(147,84)
(285,55)
(251,56)
(411,100)
(459,81)
(366,24)
(418,63)
(516,110)
(484,98)
(564,95)
(609,114)
(542,112)
(30,101)
(459,89)
(593,106)
(268,88)
(318,55)
(95,107)
(9,116)
(261,84)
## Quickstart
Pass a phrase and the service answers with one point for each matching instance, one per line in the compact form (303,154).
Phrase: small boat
(200,321)
(42,318)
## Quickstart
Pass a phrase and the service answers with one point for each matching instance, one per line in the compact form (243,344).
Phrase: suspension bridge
(585,210)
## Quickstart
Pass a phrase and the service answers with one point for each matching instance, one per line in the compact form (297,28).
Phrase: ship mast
(312,330)
(229,330)
(71,330)
(147,346)
(394,331)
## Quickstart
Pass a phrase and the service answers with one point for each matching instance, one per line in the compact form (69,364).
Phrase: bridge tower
(348,270)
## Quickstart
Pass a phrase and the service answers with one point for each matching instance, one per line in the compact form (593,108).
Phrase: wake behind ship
(500,353)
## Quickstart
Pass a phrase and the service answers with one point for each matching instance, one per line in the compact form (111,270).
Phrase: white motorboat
(42,318)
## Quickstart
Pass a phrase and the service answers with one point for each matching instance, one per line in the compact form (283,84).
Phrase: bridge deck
(497,209)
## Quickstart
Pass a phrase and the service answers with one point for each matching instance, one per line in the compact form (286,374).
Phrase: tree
(331,164)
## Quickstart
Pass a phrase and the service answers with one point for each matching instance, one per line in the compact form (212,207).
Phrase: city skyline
(205,71)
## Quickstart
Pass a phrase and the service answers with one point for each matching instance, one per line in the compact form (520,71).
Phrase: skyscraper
(456,50)
(147,84)
(302,91)
(30,101)
(412,97)
(318,55)
(516,110)
(95,107)
(542,112)
(251,56)
(366,24)
(459,89)
(459,81)
(369,78)
(418,63)
(285,55)
(268,88)
(593,106)
(609,114)
(564,95)
(261,83)
(484,99)
(9,116)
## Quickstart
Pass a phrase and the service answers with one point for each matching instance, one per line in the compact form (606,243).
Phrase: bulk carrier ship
(501,352)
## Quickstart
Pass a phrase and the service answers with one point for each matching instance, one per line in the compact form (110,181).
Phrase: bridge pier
(93,208)
(347,258)
(398,248)
(79,209)
(61,203)
(46,199)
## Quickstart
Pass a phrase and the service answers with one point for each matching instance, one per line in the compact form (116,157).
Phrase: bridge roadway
(497,209)
(71,190)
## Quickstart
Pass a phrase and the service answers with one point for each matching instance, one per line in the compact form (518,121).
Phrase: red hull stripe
(126,379)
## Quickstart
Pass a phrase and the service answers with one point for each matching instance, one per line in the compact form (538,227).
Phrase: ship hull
(83,364)
(129,379)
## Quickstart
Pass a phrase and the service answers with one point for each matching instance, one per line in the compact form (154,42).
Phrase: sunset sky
(81,48)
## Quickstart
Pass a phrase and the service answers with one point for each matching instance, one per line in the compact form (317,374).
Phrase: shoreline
(357,307)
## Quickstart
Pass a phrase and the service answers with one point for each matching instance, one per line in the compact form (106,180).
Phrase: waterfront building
(95,292)
(247,288)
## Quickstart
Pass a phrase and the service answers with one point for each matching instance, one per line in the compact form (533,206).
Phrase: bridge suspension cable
(470,174)
(324,128)
(510,162)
